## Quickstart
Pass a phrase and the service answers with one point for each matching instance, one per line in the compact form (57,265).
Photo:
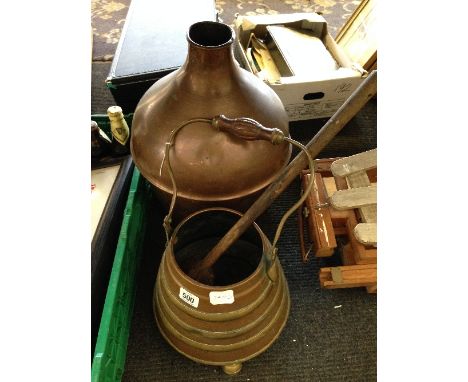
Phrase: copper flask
(212,168)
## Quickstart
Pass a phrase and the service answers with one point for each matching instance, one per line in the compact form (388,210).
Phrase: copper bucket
(245,307)
(237,318)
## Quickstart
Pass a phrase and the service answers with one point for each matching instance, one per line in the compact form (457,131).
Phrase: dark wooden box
(153,44)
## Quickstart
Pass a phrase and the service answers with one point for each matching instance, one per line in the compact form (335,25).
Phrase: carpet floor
(108,16)
(331,335)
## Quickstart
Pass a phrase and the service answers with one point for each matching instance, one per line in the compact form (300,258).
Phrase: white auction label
(188,297)
(224,297)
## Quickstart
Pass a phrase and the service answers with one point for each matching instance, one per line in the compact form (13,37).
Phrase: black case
(152,44)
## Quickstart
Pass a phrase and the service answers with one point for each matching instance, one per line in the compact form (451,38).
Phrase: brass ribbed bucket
(235,320)
(246,304)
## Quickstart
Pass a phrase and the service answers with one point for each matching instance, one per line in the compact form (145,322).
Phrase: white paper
(188,297)
(224,297)
(102,181)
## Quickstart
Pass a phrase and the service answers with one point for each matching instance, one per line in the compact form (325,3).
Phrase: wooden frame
(358,36)
(339,177)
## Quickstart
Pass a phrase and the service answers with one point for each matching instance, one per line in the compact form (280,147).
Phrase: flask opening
(210,34)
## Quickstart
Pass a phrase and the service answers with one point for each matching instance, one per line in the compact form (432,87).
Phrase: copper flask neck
(210,57)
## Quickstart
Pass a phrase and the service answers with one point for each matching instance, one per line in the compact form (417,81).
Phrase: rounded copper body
(220,334)
(210,167)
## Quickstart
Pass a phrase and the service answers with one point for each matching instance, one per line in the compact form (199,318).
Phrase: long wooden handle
(343,115)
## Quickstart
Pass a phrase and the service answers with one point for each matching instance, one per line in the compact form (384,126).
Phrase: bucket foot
(232,368)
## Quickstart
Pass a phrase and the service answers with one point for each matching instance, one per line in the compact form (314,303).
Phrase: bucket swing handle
(244,128)
(167,222)
(251,130)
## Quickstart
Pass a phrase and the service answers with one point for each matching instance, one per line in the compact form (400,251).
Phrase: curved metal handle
(244,128)
(270,271)
(167,222)
(302,239)
(248,129)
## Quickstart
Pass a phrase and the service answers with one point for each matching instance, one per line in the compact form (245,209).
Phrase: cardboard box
(306,94)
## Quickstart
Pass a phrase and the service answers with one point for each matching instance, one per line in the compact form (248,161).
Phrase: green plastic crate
(111,346)
(104,123)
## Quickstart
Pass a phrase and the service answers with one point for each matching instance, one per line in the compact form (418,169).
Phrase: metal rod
(343,115)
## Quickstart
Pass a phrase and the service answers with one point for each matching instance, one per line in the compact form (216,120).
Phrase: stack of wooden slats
(343,202)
